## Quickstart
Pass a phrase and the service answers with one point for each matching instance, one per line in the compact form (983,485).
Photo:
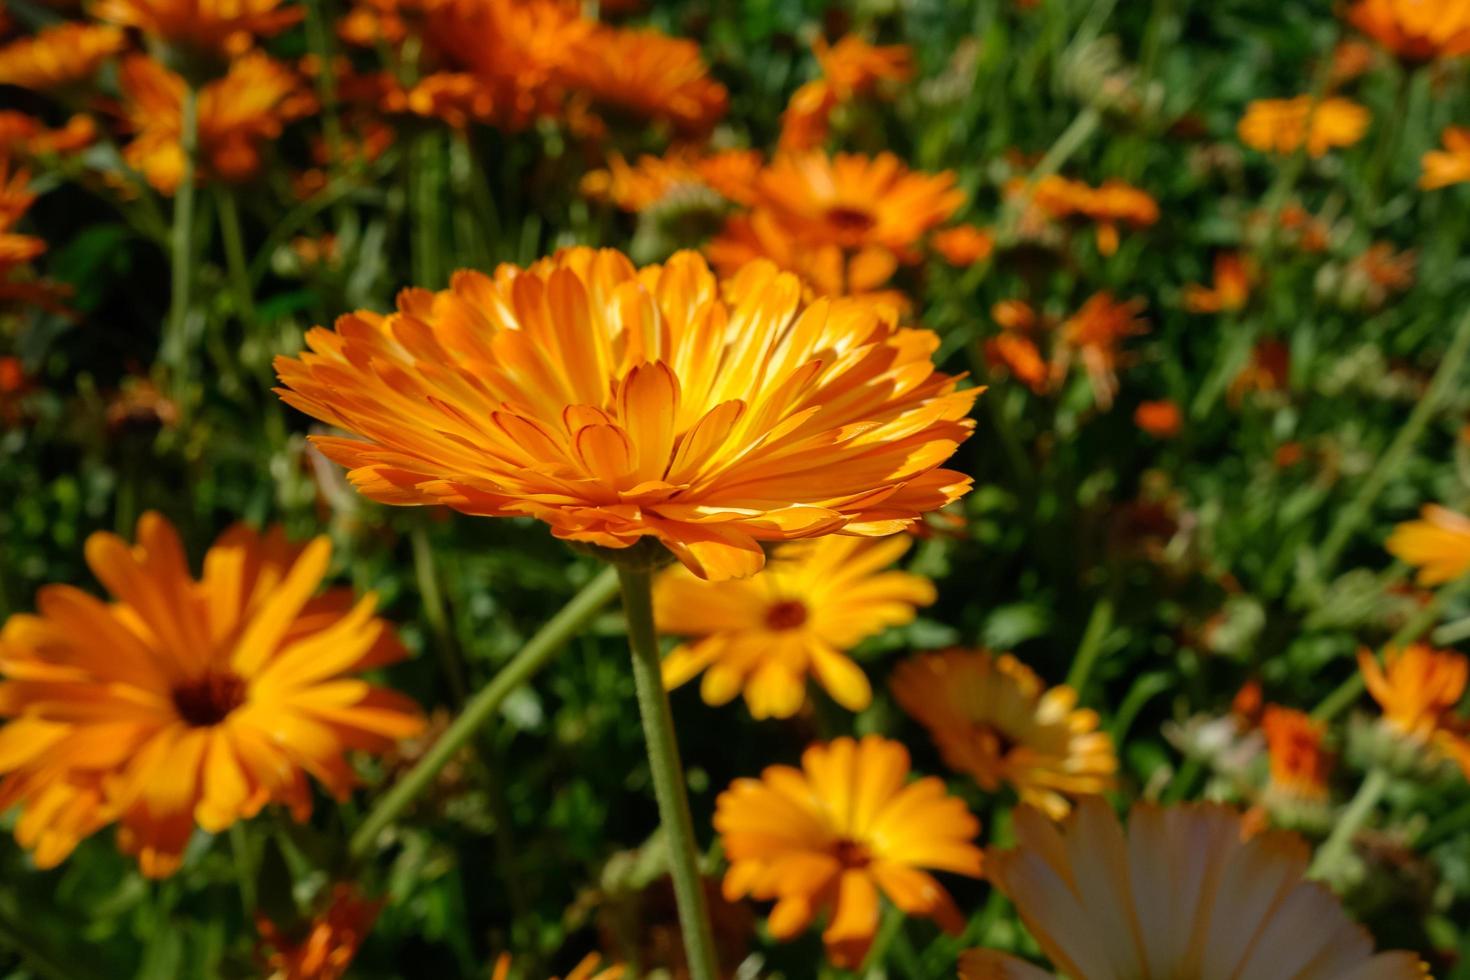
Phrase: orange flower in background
(1451,165)
(963,245)
(651,180)
(588,968)
(1299,763)
(995,720)
(59,56)
(1095,333)
(827,838)
(766,634)
(1014,314)
(825,270)
(15,384)
(1161,419)
(1415,30)
(237,115)
(853,67)
(1269,369)
(1282,126)
(1181,891)
(370,23)
(1351,59)
(617,404)
(1417,688)
(15,200)
(1438,545)
(23,135)
(807,120)
(329,943)
(1021,358)
(1386,269)
(220,26)
(1230,290)
(1110,204)
(648,73)
(188,701)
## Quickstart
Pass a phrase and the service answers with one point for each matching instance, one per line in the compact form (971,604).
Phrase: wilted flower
(59,56)
(963,245)
(1283,125)
(1415,30)
(1182,891)
(1159,418)
(1230,290)
(187,701)
(993,719)
(616,404)
(1438,545)
(217,26)
(1451,165)
(1095,333)
(324,947)
(813,603)
(647,73)
(828,837)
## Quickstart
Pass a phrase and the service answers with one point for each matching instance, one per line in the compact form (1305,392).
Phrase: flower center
(208,700)
(787,614)
(850,853)
(850,219)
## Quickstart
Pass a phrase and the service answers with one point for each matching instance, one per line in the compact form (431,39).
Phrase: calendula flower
(1183,892)
(824,269)
(324,947)
(1114,203)
(647,73)
(1415,30)
(807,120)
(59,56)
(993,719)
(26,136)
(219,26)
(764,635)
(1283,125)
(1019,356)
(1095,333)
(1299,762)
(1269,369)
(616,404)
(1417,688)
(1161,419)
(850,68)
(642,185)
(1451,165)
(1438,545)
(15,200)
(1351,59)
(828,837)
(237,115)
(1230,290)
(963,245)
(588,968)
(187,701)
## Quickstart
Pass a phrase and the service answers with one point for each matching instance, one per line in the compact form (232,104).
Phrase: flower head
(187,700)
(995,720)
(827,837)
(1415,30)
(1230,290)
(1437,544)
(1181,893)
(1451,165)
(617,404)
(814,601)
(824,269)
(218,26)
(1161,418)
(1110,204)
(640,186)
(59,56)
(1095,333)
(1299,763)
(648,73)
(853,67)
(325,947)
(588,967)
(26,136)
(1282,126)
(1418,688)
(963,245)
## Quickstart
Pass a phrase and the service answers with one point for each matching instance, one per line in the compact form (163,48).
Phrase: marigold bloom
(222,26)
(1415,30)
(648,73)
(807,120)
(1181,893)
(588,967)
(1230,290)
(1299,762)
(1115,203)
(329,943)
(1283,125)
(1095,333)
(1021,358)
(995,720)
(1443,168)
(237,115)
(825,269)
(854,67)
(23,135)
(763,635)
(963,245)
(828,837)
(1418,688)
(617,404)
(1162,418)
(642,185)
(59,56)
(1438,544)
(187,701)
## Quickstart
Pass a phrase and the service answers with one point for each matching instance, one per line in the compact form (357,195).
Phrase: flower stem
(668,773)
(1414,627)
(181,252)
(1091,646)
(234,242)
(537,652)
(1336,847)
(434,612)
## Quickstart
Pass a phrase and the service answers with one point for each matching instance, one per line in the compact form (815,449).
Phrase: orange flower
(330,942)
(651,180)
(1161,419)
(824,269)
(650,74)
(1299,763)
(1020,357)
(588,968)
(187,701)
(1451,165)
(1386,269)
(1095,333)
(237,114)
(373,22)
(850,68)
(1438,544)
(828,837)
(617,404)
(1230,291)
(23,135)
(1116,203)
(1283,125)
(14,386)
(1269,369)
(15,199)
(1418,688)
(808,117)
(1415,30)
(59,56)
(814,602)
(1351,59)
(995,720)
(221,26)
(1014,314)
(964,245)
(1184,892)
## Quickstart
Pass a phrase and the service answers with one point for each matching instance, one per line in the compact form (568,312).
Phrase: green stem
(428,194)
(434,612)
(244,865)
(1090,648)
(668,773)
(234,242)
(1183,782)
(1078,131)
(181,251)
(1340,841)
(21,940)
(537,652)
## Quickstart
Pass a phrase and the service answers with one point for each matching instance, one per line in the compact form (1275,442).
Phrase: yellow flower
(1182,893)
(765,634)
(616,404)
(993,719)
(1415,30)
(827,837)
(1442,168)
(647,73)
(328,944)
(588,968)
(1299,763)
(1283,125)
(1418,688)
(58,56)
(219,26)
(1438,544)
(188,700)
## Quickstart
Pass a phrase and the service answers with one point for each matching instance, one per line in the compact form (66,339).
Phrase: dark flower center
(787,614)
(851,219)
(208,700)
(850,853)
